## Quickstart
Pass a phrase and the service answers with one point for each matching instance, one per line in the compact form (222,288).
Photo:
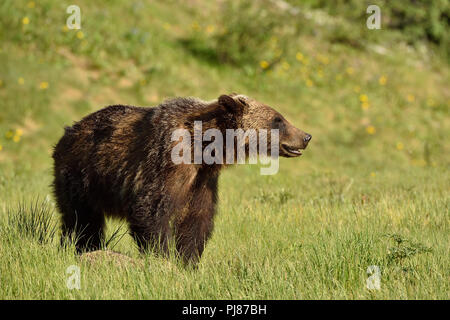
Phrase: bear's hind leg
(84,227)
(151,234)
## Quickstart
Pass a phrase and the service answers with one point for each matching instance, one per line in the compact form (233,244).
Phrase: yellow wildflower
(365,105)
(1,147)
(195,26)
(19,132)
(371,130)
(320,73)
(31,4)
(382,81)
(43,85)
(350,70)
(410,98)
(299,56)
(16,138)
(372,174)
(323,59)
(80,35)
(399,146)
(65,28)
(264,64)
(26,20)
(363,98)
(21,81)
(210,29)
(309,83)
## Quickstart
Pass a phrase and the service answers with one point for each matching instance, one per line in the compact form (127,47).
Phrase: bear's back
(99,137)
(109,116)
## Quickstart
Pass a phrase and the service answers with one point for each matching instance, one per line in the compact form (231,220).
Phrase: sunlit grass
(375,172)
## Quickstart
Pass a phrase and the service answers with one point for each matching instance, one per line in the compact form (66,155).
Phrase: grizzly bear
(117,162)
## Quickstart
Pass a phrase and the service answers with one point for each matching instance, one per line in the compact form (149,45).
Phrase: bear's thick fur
(117,162)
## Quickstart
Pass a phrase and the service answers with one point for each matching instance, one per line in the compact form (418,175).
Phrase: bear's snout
(307,139)
(293,141)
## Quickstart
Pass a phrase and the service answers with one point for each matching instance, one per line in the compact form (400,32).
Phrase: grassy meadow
(371,189)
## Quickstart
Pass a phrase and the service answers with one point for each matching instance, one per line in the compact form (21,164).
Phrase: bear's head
(251,114)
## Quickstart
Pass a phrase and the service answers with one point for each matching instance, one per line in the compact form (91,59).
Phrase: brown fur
(116,162)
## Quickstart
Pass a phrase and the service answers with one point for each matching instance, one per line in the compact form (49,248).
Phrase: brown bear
(117,162)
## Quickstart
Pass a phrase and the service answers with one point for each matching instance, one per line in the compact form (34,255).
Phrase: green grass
(371,189)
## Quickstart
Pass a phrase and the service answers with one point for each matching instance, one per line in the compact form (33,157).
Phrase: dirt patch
(125,83)
(153,98)
(82,69)
(113,257)
(104,97)
(72,94)
(30,126)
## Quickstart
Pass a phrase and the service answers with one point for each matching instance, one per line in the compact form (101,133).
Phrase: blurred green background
(375,101)
(378,96)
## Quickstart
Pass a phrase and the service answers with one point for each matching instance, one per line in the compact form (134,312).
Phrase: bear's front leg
(191,234)
(150,228)
(194,220)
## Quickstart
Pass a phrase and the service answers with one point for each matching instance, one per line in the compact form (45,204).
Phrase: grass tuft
(33,220)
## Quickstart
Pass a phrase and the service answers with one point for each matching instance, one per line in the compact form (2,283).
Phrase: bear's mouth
(290,151)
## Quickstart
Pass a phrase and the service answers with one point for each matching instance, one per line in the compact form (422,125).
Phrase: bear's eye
(277,123)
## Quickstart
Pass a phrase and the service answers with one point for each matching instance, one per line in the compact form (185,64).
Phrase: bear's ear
(235,104)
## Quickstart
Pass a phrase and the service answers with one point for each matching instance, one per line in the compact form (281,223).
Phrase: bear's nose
(307,138)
